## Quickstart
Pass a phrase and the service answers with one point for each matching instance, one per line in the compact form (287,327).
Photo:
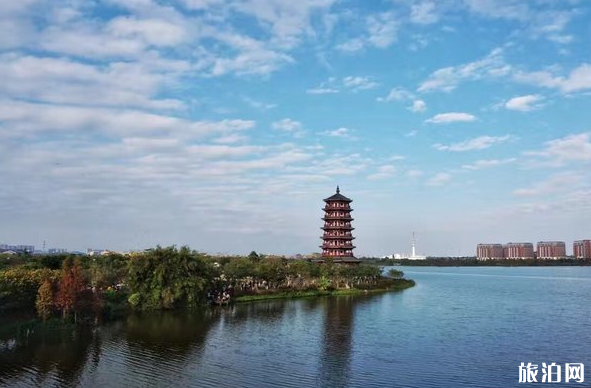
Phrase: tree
(254,256)
(44,302)
(168,277)
(70,287)
(239,268)
(396,274)
(271,269)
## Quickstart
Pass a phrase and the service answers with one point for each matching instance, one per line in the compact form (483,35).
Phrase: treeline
(84,288)
(473,262)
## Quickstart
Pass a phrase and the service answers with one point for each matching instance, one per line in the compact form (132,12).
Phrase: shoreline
(401,284)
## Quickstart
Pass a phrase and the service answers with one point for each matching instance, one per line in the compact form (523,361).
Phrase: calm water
(458,327)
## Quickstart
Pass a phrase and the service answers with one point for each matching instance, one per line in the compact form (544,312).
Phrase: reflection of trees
(265,311)
(44,351)
(169,331)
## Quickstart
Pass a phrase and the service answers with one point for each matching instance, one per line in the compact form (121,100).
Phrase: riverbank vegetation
(85,288)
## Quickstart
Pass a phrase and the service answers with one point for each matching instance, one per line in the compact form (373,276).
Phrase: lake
(458,327)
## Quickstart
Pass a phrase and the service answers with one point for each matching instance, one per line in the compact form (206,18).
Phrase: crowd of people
(220,296)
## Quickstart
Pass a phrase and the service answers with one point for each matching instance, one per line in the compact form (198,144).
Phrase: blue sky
(222,124)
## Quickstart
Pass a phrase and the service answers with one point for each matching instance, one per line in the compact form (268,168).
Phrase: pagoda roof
(338,197)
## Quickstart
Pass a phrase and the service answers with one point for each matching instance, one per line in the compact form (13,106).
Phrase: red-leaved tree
(71,286)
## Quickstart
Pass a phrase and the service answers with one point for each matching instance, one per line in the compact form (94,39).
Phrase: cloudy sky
(221,124)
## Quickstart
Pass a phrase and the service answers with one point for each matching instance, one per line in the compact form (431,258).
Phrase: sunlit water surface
(457,327)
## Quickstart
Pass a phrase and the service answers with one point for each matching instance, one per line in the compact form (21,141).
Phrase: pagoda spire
(338,190)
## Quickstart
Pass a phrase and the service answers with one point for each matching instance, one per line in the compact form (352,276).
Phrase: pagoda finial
(338,191)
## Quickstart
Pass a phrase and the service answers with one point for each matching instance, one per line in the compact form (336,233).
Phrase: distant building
(17,248)
(489,251)
(551,250)
(582,249)
(518,251)
(56,251)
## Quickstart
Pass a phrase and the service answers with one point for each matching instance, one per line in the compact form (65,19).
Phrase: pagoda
(338,237)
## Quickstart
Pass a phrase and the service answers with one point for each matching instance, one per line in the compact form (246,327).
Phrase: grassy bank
(393,285)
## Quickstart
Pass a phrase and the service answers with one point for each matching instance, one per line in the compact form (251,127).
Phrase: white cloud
(524,103)
(556,183)
(383,172)
(359,83)
(572,148)
(341,132)
(505,9)
(259,104)
(288,125)
(351,46)
(322,90)
(351,83)
(382,29)
(487,163)
(579,79)
(414,173)
(151,31)
(439,179)
(418,106)
(397,94)
(63,81)
(423,13)
(451,117)
(381,32)
(478,143)
(448,78)
(26,119)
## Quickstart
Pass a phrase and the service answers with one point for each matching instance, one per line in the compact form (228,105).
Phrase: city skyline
(223,124)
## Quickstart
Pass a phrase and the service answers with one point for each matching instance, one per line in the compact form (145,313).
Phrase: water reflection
(335,359)
(45,353)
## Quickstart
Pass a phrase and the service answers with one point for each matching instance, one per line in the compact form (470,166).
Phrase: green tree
(396,274)
(165,278)
(19,287)
(239,268)
(254,256)
(271,269)
(44,302)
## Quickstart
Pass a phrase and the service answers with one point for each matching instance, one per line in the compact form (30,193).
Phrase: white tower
(414,253)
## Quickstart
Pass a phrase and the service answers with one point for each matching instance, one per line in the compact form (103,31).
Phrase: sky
(222,124)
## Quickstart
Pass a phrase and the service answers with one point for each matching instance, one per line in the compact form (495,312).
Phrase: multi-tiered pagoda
(338,237)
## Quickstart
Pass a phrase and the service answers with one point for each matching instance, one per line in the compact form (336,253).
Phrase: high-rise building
(337,237)
(582,249)
(489,251)
(518,251)
(17,248)
(551,250)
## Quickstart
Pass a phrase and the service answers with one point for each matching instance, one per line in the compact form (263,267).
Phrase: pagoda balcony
(338,237)
(337,218)
(331,208)
(328,246)
(338,253)
(331,227)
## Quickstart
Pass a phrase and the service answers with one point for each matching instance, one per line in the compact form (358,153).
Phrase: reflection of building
(337,341)
(518,251)
(551,249)
(582,249)
(489,251)
(338,237)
